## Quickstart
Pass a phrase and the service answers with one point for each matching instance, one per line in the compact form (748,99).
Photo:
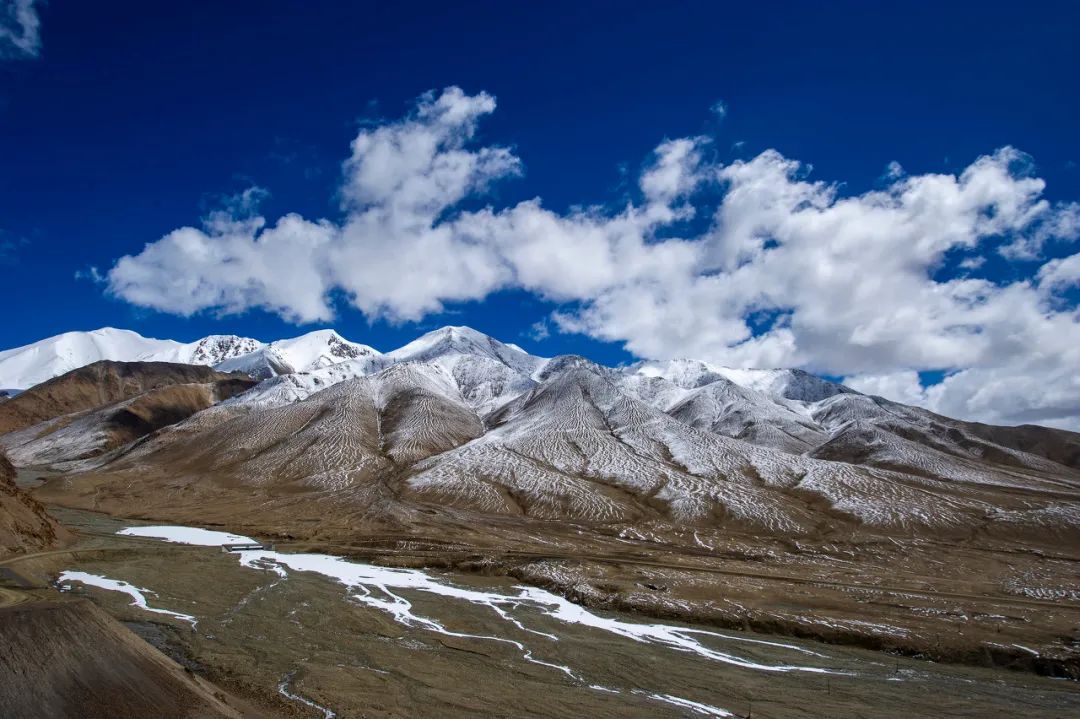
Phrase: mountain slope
(84,435)
(459,419)
(24,523)
(874,431)
(487,372)
(68,658)
(351,436)
(576,447)
(99,384)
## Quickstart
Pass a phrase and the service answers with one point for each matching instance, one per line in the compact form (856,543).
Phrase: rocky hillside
(99,384)
(71,659)
(25,526)
(106,405)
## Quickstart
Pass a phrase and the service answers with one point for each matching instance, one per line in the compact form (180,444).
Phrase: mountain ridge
(609,481)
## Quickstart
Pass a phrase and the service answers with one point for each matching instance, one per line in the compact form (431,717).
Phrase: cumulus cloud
(788,272)
(20,29)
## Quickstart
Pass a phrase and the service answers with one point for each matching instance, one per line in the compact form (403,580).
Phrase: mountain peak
(215,349)
(460,340)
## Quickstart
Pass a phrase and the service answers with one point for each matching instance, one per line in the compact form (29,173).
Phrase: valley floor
(297,641)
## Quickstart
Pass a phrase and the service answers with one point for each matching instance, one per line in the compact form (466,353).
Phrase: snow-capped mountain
(459,438)
(782,409)
(307,353)
(778,384)
(486,372)
(586,443)
(24,367)
(212,350)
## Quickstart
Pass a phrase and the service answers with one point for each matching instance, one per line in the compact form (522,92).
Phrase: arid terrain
(274,633)
(769,503)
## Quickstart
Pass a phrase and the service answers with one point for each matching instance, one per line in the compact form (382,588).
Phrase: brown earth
(71,438)
(971,601)
(103,383)
(257,629)
(24,523)
(915,539)
(68,658)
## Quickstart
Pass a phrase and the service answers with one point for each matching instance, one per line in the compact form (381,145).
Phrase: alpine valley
(715,499)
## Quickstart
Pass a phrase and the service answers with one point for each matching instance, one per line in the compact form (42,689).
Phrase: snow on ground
(138,596)
(695,707)
(377,587)
(188,535)
(283,689)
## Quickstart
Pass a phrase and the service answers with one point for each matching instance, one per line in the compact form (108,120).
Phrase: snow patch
(138,596)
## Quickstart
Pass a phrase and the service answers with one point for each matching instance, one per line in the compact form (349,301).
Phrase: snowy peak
(23,367)
(218,348)
(792,384)
(779,384)
(306,353)
(488,373)
(318,349)
(684,373)
(457,341)
(568,363)
(35,363)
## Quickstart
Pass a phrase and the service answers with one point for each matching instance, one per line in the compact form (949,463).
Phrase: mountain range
(459,419)
(671,487)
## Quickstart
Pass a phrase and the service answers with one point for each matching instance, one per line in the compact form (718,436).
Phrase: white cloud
(848,281)
(893,171)
(20,29)
(903,386)
(1059,274)
(91,274)
(538,332)
(1062,224)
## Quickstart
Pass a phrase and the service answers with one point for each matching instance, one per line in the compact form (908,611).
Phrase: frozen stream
(676,670)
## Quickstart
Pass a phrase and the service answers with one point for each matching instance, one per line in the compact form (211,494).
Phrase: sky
(883,195)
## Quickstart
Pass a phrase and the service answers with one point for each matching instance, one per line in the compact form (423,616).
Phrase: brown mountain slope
(100,384)
(70,659)
(573,449)
(347,437)
(24,524)
(1041,450)
(897,537)
(69,438)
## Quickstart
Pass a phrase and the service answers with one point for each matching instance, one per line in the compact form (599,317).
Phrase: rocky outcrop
(25,526)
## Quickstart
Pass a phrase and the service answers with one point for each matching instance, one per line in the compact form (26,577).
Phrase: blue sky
(126,121)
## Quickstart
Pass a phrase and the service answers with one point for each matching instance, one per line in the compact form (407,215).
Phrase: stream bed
(345,638)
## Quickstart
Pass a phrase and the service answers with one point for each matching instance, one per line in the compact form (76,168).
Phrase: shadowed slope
(24,523)
(98,384)
(70,438)
(70,659)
